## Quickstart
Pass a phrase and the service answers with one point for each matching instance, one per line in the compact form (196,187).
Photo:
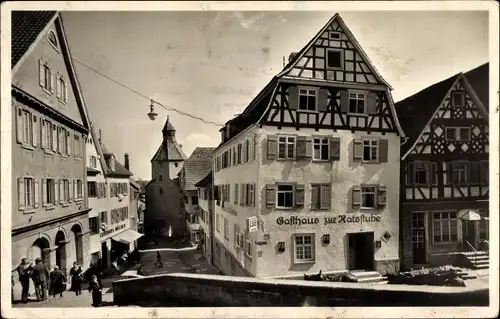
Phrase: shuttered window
(369,196)
(370,150)
(320,196)
(286,147)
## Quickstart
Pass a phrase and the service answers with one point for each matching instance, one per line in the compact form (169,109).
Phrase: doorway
(469,233)
(361,251)
(419,242)
(104,255)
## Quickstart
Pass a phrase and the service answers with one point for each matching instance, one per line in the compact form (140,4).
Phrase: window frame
(457,135)
(371,146)
(61,89)
(342,58)
(357,98)
(31,194)
(314,144)
(49,203)
(249,247)
(363,193)
(226,229)
(465,171)
(89,193)
(307,94)
(457,93)
(286,191)
(47,77)
(287,144)
(336,33)
(297,260)
(55,44)
(440,220)
(426,165)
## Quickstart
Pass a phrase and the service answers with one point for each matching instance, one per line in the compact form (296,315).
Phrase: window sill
(357,114)
(307,111)
(65,204)
(28,210)
(287,208)
(27,146)
(303,262)
(50,207)
(248,256)
(65,103)
(321,160)
(48,151)
(47,91)
(335,68)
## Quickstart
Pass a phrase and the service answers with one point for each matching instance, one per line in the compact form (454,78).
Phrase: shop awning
(128,236)
(471,215)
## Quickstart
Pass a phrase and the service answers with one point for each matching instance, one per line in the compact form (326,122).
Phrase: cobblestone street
(69,300)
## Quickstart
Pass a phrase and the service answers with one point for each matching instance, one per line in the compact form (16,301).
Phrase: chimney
(291,56)
(127,163)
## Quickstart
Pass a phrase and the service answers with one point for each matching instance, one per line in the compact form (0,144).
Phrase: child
(95,287)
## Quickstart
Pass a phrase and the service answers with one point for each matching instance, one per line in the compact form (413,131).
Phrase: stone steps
(478,260)
(366,276)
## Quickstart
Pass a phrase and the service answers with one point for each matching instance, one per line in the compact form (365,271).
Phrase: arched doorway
(61,250)
(39,249)
(76,230)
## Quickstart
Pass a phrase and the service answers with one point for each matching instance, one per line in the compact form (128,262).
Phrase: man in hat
(24,269)
(40,275)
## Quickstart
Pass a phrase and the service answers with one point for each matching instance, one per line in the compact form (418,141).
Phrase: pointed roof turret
(168,127)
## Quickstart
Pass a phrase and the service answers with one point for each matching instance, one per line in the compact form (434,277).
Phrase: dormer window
(458,99)
(53,39)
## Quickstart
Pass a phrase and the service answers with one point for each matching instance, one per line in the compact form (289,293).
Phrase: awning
(471,216)
(128,236)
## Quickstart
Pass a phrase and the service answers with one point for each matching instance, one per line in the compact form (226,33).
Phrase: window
(104,217)
(65,191)
(45,76)
(27,127)
(194,200)
(334,59)
(93,161)
(50,191)
(77,147)
(217,222)
(286,147)
(368,195)
(94,224)
(29,192)
(61,89)
(237,236)
(226,229)
(421,173)
(307,99)
(160,178)
(321,149)
(285,196)
(458,99)
(48,141)
(334,35)
(320,196)
(175,164)
(249,246)
(304,248)
(444,227)
(92,189)
(247,151)
(79,189)
(458,134)
(357,103)
(52,38)
(370,150)
(63,141)
(250,195)
(460,173)
(195,236)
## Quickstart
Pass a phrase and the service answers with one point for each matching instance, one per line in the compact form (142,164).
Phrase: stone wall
(224,291)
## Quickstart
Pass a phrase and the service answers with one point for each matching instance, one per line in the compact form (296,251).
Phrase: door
(361,251)
(418,238)
(104,255)
(469,233)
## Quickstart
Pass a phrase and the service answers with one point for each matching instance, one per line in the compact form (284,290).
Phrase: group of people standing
(55,282)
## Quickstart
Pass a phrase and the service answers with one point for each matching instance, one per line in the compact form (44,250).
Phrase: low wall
(224,291)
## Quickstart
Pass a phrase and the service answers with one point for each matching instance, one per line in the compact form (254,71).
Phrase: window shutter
(315,190)
(58,87)
(270,195)
(356,197)
(244,201)
(56,192)
(54,138)
(65,92)
(71,191)
(68,142)
(19,124)
(61,191)
(75,190)
(37,193)
(44,133)
(323,100)
(335,149)
(228,193)
(301,147)
(371,101)
(35,131)
(309,147)
(242,195)
(236,193)
(381,196)
(236,242)
(299,195)
(433,173)
(254,146)
(245,153)
(41,75)
(20,191)
(252,198)
(293,98)
(326,195)
(450,173)
(344,101)
(51,81)
(410,167)
(383,150)
(358,150)
(44,191)
(272,147)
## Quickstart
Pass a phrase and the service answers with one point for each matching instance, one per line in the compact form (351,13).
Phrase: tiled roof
(197,166)
(26,26)
(415,111)
(205,180)
(120,171)
(92,171)
(175,152)
(478,78)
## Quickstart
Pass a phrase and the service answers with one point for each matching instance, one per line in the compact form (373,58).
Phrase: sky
(211,64)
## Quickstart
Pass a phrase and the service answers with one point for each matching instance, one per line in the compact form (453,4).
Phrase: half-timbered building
(444,172)
(307,177)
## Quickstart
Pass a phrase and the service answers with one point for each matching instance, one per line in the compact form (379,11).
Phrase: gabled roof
(174,152)
(26,27)
(134,184)
(415,111)
(205,180)
(197,166)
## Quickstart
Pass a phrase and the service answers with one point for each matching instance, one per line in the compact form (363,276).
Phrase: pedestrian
(40,275)
(57,282)
(75,276)
(24,270)
(158,262)
(96,288)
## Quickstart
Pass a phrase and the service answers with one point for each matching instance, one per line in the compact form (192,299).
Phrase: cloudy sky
(211,64)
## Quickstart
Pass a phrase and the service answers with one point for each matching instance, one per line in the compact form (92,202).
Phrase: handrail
(471,248)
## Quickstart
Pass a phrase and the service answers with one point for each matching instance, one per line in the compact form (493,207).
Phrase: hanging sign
(252,224)
(340,219)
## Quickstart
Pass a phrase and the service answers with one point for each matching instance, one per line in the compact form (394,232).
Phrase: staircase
(477,259)
(363,276)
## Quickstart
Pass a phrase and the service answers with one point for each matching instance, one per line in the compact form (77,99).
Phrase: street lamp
(152,115)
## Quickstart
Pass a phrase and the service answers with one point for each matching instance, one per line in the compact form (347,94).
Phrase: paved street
(69,300)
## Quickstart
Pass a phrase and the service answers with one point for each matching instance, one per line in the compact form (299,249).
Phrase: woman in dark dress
(96,289)
(57,282)
(76,278)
